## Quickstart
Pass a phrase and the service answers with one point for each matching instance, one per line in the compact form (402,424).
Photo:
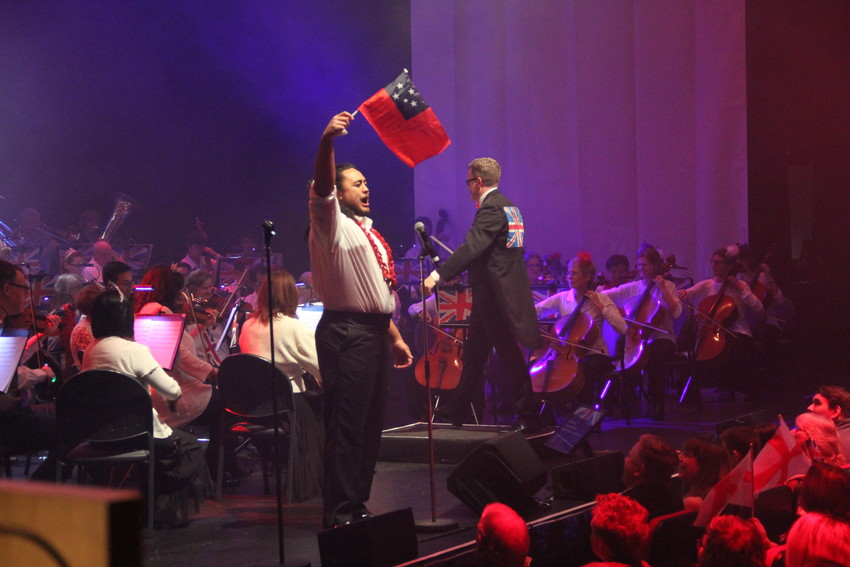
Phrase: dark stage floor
(241,529)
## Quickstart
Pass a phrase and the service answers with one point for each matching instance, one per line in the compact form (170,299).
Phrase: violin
(446,357)
(717,312)
(640,311)
(556,367)
(38,323)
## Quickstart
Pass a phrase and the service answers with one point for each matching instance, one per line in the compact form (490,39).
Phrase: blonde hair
(823,435)
(818,540)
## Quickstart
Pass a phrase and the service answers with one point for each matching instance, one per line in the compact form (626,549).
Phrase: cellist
(580,273)
(658,346)
(737,363)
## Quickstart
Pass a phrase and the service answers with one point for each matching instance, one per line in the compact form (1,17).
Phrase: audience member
(502,539)
(825,489)
(701,464)
(818,540)
(737,442)
(730,541)
(819,438)
(647,475)
(619,532)
(833,402)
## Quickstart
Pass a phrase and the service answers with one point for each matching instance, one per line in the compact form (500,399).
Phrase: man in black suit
(502,306)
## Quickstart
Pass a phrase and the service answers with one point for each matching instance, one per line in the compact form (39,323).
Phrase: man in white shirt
(101,254)
(356,340)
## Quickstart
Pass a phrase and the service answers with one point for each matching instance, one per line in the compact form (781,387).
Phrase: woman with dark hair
(181,470)
(825,489)
(295,356)
(701,464)
(200,402)
(657,346)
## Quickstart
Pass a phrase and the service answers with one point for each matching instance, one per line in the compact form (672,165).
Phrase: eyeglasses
(23,287)
(470,180)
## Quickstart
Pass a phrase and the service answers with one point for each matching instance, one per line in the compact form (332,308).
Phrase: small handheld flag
(405,122)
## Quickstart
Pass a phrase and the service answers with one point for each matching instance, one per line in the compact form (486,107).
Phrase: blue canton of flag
(516,230)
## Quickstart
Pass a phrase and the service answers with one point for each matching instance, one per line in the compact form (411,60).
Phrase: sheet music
(161,334)
(310,314)
(12,344)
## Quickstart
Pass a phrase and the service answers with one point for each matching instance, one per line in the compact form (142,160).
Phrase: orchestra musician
(735,365)
(580,273)
(659,301)
(616,272)
(101,254)
(203,323)
(502,308)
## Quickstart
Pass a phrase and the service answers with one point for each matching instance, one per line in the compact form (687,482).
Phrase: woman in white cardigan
(295,356)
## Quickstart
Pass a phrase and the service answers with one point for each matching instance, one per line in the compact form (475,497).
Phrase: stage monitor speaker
(583,480)
(505,469)
(384,540)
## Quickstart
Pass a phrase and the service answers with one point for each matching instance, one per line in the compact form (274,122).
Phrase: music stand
(12,345)
(161,334)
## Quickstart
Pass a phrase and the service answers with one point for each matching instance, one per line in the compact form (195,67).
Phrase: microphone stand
(268,229)
(434,525)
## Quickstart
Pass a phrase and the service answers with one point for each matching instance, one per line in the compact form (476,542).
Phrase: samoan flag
(516,229)
(455,305)
(405,122)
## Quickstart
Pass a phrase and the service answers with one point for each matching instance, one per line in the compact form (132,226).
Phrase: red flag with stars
(405,122)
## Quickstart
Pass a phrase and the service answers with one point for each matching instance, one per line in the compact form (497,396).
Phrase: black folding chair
(105,419)
(245,385)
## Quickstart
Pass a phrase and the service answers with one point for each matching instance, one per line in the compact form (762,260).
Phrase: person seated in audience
(619,532)
(502,538)
(737,442)
(819,438)
(101,254)
(81,335)
(120,275)
(818,540)
(730,541)
(74,263)
(833,402)
(701,464)
(647,476)
(178,455)
(21,428)
(295,355)
(825,489)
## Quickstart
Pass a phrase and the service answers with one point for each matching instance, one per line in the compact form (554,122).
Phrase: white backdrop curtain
(615,121)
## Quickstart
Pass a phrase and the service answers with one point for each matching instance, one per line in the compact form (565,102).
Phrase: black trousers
(355,361)
(488,329)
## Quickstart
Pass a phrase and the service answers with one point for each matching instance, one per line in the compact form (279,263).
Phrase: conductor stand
(434,525)
(268,229)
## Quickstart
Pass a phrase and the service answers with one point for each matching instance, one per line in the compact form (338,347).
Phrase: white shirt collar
(484,195)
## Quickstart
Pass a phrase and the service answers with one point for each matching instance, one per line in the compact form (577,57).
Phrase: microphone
(427,246)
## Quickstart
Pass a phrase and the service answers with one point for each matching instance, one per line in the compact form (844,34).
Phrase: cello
(557,366)
(642,315)
(716,313)
(447,356)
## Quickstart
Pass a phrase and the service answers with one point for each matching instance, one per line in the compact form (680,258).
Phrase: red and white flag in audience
(734,488)
(779,460)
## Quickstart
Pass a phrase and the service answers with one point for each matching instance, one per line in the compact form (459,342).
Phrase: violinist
(616,272)
(654,299)
(21,428)
(778,311)
(199,256)
(203,324)
(120,275)
(580,273)
(736,365)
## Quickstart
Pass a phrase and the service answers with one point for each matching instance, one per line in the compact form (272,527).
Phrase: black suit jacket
(493,253)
